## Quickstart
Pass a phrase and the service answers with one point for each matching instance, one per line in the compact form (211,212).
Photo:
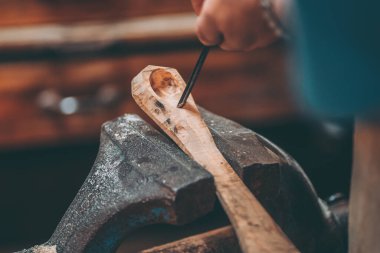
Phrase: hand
(235,25)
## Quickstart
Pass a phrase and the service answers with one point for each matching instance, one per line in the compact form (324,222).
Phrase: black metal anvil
(140,177)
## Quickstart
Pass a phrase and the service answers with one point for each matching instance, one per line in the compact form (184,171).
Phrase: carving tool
(193,77)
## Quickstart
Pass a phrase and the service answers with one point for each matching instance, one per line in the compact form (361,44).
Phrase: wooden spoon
(157,91)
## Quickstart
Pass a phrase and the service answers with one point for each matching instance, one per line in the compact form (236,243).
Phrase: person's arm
(237,25)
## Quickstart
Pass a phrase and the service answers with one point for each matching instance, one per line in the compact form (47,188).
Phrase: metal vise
(140,178)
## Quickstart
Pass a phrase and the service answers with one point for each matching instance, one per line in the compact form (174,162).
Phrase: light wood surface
(157,90)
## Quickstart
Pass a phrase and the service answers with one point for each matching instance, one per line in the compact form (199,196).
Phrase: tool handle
(254,227)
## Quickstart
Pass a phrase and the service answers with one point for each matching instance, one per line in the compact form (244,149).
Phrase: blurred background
(66,67)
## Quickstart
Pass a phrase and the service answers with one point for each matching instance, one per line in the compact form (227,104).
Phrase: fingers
(206,28)
(197,6)
(233,25)
(207,31)
(221,23)
(237,38)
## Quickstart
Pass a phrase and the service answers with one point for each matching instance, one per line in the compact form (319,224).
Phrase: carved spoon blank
(157,90)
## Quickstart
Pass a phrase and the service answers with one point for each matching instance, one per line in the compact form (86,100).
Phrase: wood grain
(21,12)
(246,87)
(157,91)
(217,240)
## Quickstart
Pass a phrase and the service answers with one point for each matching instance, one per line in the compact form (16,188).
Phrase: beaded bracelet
(273,20)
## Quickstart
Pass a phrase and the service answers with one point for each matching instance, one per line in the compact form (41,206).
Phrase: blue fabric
(338,58)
